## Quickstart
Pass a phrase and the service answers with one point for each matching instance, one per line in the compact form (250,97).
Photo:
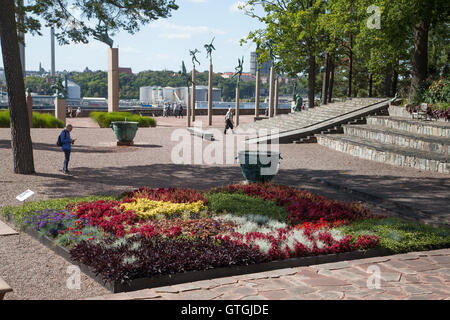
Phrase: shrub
(302,206)
(34,207)
(104,119)
(278,241)
(399,235)
(138,257)
(4,119)
(189,228)
(40,120)
(240,204)
(49,222)
(166,194)
(145,208)
(107,215)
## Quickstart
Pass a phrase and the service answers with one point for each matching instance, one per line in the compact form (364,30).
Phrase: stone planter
(259,166)
(124,132)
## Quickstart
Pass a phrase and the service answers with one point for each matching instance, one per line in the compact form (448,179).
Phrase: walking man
(229,121)
(66,146)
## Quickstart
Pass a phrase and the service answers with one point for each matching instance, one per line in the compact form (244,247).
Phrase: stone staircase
(399,141)
(301,126)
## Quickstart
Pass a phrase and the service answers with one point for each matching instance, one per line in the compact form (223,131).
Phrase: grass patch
(104,119)
(20,212)
(401,236)
(40,120)
(241,204)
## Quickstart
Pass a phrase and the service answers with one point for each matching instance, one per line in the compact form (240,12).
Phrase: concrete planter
(259,166)
(124,131)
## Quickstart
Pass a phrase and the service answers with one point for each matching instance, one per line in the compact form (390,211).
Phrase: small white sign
(25,195)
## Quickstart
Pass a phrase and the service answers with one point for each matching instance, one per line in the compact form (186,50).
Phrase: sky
(162,44)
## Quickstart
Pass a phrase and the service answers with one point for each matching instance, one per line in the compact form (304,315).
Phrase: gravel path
(100,167)
(36,273)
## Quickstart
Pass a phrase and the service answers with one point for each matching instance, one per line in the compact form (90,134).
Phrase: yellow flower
(147,209)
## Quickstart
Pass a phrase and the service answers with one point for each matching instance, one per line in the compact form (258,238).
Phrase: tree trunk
(330,87)
(350,67)
(420,58)
(370,86)
(326,79)
(311,77)
(388,80)
(21,144)
(395,80)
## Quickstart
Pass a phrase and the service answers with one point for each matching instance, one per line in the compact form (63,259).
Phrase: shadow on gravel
(414,195)
(6,144)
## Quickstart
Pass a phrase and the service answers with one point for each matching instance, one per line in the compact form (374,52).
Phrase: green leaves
(79,20)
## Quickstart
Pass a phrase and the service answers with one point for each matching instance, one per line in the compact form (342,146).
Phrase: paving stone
(225,280)
(206,284)
(189,286)
(225,288)
(407,256)
(369,261)
(425,297)
(441,259)
(6,230)
(351,274)
(306,272)
(410,289)
(438,288)
(282,272)
(333,266)
(410,278)
(331,295)
(395,264)
(143,294)
(390,277)
(300,290)
(325,272)
(426,279)
(244,291)
(325,281)
(439,252)
(274,294)
(272,284)
(254,298)
(167,289)
(201,295)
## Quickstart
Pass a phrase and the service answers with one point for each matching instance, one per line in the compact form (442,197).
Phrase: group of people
(177,110)
(70,111)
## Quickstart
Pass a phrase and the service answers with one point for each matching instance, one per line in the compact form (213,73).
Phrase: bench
(259,118)
(4,288)
(201,133)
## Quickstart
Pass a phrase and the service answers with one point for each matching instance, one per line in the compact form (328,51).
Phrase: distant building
(244,77)
(264,68)
(125,70)
(157,95)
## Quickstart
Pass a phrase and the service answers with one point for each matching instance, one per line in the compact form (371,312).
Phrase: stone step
(309,117)
(430,128)
(390,154)
(399,138)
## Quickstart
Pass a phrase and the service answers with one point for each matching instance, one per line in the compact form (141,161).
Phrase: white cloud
(198,1)
(236,7)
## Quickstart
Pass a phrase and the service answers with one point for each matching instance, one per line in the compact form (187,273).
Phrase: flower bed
(153,232)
